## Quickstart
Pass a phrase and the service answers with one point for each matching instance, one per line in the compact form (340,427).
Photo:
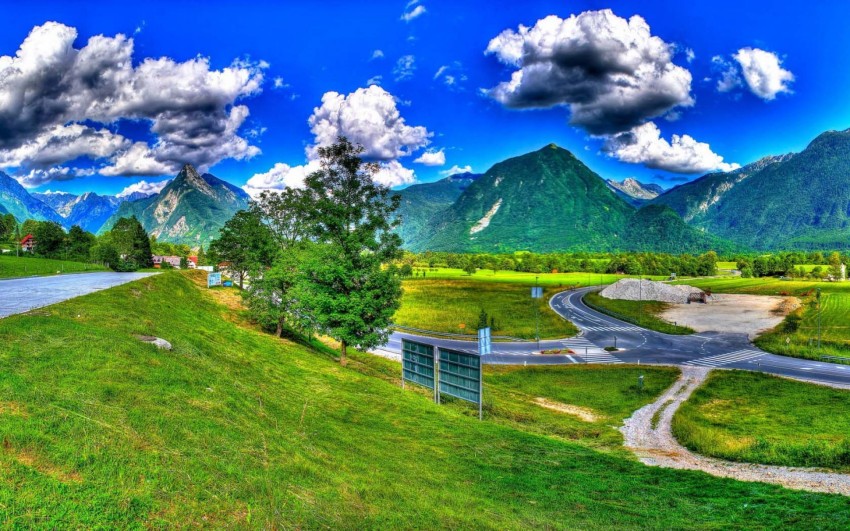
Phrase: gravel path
(658,447)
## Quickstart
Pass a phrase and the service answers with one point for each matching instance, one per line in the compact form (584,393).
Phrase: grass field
(11,266)
(445,305)
(234,428)
(757,418)
(643,314)
(835,316)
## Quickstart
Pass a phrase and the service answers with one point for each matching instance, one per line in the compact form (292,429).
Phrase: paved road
(707,349)
(18,295)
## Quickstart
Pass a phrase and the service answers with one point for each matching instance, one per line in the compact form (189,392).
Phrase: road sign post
(817,295)
(536,293)
(484,341)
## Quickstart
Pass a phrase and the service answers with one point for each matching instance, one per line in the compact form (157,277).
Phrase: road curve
(639,345)
(19,295)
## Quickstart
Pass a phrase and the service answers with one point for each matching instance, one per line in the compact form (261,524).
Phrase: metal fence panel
(418,363)
(460,375)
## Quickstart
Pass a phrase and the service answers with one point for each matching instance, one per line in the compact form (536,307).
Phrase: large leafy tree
(131,240)
(49,239)
(246,243)
(349,221)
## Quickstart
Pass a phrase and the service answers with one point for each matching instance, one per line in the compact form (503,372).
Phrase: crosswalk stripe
(727,358)
(612,328)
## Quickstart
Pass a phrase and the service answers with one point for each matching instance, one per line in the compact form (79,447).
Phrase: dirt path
(658,447)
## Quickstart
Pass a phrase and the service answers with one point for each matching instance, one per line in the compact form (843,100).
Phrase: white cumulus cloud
(64,99)
(457,169)
(432,158)
(144,187)
(612,73)
(763,72)
(682,154)
(416,11)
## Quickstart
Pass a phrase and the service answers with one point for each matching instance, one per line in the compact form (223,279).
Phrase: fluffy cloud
(404,68)
(432,158)
(683,154)
(280,177)
(377,54)
(39,177)
(58,96)
(457,169)
(413,11)
(763,72)
(728,72)
(611,72)
(144,187)
(367,116)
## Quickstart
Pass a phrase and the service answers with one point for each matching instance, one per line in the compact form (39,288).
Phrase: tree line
(319,259)
(126,247)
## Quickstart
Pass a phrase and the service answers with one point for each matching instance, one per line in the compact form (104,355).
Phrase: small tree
(482,319)
(246,243)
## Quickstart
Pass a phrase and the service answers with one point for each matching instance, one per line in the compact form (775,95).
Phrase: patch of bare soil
(741,314)
(654,444)
(582,413)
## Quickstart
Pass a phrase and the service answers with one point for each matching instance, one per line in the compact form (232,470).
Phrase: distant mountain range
(635,192)
(547,200)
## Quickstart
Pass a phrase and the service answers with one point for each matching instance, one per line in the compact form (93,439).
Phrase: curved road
(706,349)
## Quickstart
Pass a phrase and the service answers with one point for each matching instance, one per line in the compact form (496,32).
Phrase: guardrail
(836,359)
(467,337)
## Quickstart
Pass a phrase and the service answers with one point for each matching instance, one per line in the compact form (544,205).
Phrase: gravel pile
(632,289)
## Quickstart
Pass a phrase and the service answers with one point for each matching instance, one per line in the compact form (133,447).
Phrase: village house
(28,243)
(192,262)
(173,261)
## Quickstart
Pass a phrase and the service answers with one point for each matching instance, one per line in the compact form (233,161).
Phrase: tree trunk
(342,352)
(279,331)
(241,280)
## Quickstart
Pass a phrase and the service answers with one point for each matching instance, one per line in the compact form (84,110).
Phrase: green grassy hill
(12,266)
(234,428)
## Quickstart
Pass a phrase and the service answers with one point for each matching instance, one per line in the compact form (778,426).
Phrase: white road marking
(720,360)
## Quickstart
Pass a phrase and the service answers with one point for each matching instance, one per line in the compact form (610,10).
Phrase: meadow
(236,428)
(802,342)
(450,301)
(758,418)
(641,313)
(12,266)
(454,306)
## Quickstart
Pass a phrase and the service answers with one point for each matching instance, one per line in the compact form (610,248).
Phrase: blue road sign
(536,293)
(213,279)
(484,343)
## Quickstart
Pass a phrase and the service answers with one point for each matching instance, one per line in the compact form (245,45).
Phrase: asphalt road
(639,345)
(19,295)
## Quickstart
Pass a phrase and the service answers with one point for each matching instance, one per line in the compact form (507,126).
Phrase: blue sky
(319,48)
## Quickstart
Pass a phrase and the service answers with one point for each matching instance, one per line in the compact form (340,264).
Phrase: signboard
(484,343)
(213,279)
(417,363)
(460,375)
(536,293)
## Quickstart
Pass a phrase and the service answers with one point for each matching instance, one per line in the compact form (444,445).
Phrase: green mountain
(794,201)
(420,202)
(543,201)
(694,199)
(191,209)
(15,200)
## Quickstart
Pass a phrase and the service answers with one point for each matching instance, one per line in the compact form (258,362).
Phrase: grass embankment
(802,343)
(236,428)
(454,306)
(644,314)
(758,418)
(12,266)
